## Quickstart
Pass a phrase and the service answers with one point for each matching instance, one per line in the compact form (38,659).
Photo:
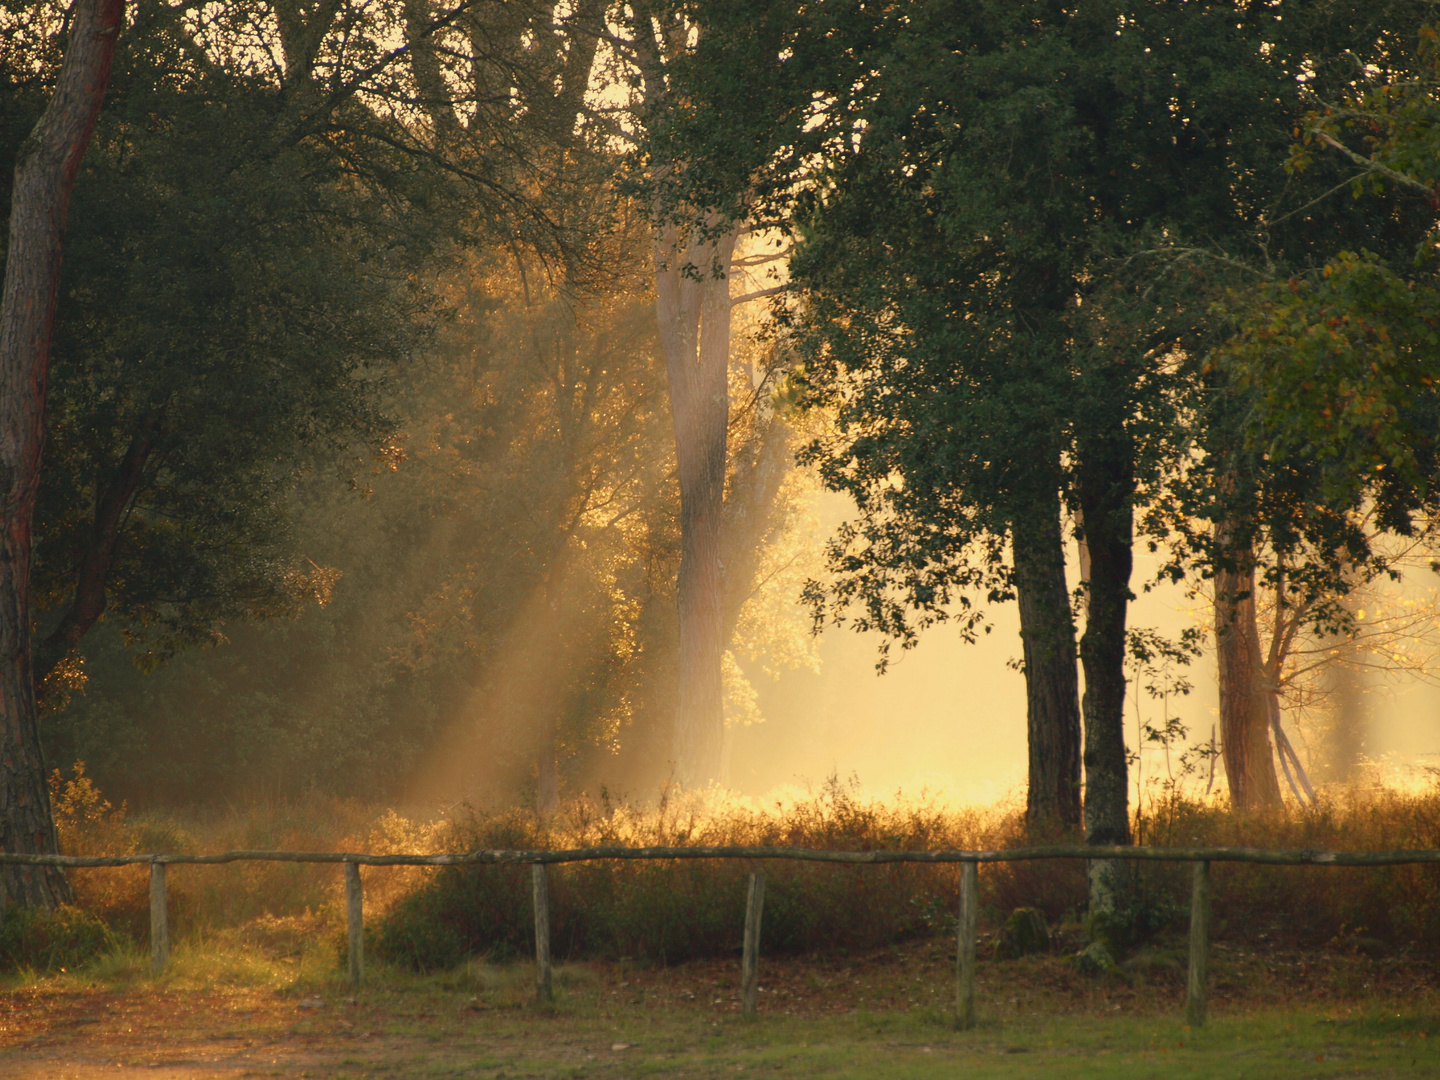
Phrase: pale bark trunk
(693,305)
(1244,708)
(1047,631)
(49,161)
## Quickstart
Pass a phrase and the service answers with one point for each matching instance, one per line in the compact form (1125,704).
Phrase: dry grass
(668,913)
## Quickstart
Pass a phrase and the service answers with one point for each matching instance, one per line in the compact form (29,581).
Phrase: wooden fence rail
(1195,985)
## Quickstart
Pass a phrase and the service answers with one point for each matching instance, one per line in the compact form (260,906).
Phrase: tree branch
(758,294)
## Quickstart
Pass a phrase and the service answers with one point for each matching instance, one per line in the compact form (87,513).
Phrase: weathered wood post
(159,920)
(1195,983)
(750,954)
(965,957)
(355,921)
(544,993)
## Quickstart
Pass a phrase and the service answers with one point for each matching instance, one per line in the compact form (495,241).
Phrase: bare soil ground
(1280,1012)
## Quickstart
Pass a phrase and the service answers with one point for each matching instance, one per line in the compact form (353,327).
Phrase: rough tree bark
(1052,696)
(1244,706)
(45,174)
(1105,488)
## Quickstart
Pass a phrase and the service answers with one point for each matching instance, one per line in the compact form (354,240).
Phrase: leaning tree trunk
(1244,708)
(1052,701)
(1105,488)
(44,177)
(693,304)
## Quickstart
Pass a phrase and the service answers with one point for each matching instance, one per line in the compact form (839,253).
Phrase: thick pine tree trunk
(693,304)
(1047,631)
(1105,490)
(44,177)
(1244,708)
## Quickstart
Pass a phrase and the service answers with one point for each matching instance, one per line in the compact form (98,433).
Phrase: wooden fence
(1196,980)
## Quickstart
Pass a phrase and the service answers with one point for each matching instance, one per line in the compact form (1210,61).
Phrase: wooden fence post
(1195,984)
(750,954)
(159,920)
(544,993)
(965,958)
(355,921)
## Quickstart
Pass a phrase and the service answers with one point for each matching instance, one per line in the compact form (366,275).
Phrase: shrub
(673,911)
(38,939)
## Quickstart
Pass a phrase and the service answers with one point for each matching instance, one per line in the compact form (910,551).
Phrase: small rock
(311,1003)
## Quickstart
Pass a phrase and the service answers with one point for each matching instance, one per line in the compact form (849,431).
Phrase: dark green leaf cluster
(1015,225)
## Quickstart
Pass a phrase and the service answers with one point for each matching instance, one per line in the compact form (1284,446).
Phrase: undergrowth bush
(206,898)
(673,911)
(1306,905)
(37,939)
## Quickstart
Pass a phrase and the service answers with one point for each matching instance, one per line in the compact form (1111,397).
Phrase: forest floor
(226,1010)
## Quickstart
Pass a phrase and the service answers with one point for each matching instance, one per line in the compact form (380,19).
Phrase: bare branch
(758,294)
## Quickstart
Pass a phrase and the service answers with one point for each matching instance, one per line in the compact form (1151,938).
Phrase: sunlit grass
(668,912)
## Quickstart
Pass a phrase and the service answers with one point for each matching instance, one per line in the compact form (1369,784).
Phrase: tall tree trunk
(1052,701)
(693,304)
(1244,708)
(44,177)
(1105,488)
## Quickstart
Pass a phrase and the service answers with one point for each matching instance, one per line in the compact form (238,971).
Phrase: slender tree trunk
(1244,710)
(693,304)
(1047,631)
(1105,489)
(112,503)
(44,177)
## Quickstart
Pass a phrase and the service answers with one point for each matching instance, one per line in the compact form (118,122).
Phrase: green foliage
(1321,407)
(39,939)
(1340,372)
(231,310)
(1014,223)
